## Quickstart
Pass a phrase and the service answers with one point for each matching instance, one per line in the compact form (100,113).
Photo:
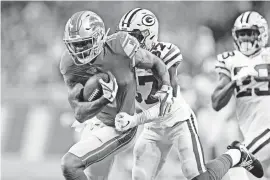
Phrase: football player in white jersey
(179,127)
(245,74)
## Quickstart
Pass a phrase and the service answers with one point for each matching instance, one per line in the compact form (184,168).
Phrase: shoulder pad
(168,52)
(222,65)
(226,55)
(65,62)
(172,55)
(128,43)
(266,54)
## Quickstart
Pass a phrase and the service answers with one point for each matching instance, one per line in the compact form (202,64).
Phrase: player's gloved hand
(244,73)
(165,96)
(124,121)
(110,88)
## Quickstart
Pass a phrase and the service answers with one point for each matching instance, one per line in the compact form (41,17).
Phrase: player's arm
(146,60)
(151,114)
(142,58)
(223,92)
(83,110)
(124,121)
(173,78)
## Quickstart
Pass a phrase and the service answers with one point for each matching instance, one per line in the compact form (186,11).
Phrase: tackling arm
(173,78)
(148,115)
(223,92)
(151,114)
(83,110)
(146,60)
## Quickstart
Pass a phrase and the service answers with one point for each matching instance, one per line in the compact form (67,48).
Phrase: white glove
(110,88)
(124,121)
(165,96)
(244,73)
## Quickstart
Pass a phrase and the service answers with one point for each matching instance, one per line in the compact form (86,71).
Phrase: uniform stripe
(175,61)
(169,56)
(193,123)
(109,147)
(222,62)
(248,17)
(124,44)
(221,67)
(197,149)
(258,138)
(261,146)
(259,142)
(196,129)
(169,53)
(133,51)
(222,71)
(172,58)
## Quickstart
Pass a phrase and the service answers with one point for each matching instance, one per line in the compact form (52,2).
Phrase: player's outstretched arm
(124,121)
(84,110)
(223,92)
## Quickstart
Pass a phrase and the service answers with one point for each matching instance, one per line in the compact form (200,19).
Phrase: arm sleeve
(129,44)
(222,65)
(173,56)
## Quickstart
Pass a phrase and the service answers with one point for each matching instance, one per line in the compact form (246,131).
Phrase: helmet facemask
(85,50)
(247,40)
(143,26)
(250,33)
(84,36)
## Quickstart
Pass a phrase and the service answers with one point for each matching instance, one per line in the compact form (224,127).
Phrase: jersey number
(264,76)
(155,50)
(225,55)
(148,79)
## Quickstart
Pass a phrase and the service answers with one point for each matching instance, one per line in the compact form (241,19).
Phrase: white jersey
(149,84)
(253,97)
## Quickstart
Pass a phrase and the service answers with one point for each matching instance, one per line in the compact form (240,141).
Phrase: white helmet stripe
(129,16)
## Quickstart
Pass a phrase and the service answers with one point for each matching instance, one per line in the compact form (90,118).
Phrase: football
(92,88)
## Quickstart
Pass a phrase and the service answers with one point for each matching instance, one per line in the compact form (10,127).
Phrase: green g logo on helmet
(148,20)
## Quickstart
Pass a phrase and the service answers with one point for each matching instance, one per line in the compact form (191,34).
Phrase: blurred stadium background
(35,114)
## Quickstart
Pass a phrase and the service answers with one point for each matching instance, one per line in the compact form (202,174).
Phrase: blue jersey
(118,58)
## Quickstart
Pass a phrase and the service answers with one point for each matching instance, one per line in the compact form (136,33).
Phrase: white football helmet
(143,25)
(84,36)
(250,32)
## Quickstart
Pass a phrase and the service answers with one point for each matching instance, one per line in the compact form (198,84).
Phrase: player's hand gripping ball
(102,84)
(92,88)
